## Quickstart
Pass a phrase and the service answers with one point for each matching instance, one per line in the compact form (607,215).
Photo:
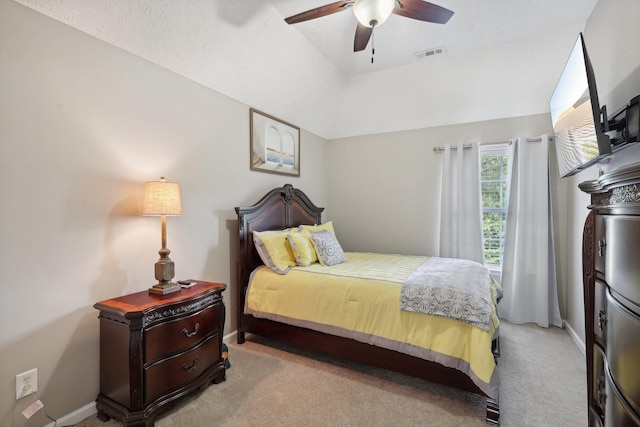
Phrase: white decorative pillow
(328,248)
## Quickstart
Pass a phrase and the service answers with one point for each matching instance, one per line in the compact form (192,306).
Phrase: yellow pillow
(274,250)
(326,226)
(302,247)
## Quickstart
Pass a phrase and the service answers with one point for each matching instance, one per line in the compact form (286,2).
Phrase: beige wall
(82,126)
(385,188)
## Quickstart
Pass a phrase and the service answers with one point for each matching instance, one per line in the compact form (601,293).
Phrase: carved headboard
(280,208)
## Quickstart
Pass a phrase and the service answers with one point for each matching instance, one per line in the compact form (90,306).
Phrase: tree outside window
(494,185)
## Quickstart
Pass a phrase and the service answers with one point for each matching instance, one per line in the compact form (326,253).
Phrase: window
(493,181)
(279,149)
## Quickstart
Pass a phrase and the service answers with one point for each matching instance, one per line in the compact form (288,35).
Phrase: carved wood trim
(174,311)
(619,187)
(625,194)
(600,199)
(589,275)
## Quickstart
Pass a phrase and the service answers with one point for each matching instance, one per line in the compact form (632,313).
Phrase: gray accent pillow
(328,248)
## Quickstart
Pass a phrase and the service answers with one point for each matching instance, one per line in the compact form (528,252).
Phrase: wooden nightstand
(154,349)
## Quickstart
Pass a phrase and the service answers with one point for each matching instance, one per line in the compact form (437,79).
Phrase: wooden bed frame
(286,207)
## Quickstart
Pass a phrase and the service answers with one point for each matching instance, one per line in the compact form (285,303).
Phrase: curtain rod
(455,147)
(452,147)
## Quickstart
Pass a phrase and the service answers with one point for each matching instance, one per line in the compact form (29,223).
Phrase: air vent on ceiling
(430,52)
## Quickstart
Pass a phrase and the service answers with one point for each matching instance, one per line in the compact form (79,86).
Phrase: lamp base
(165,271)
(165,288)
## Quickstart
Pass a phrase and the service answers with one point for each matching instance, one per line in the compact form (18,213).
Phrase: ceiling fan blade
(363,34)
(318,12)
(423,11)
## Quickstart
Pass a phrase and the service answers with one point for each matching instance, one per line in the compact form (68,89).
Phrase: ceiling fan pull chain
(373,43)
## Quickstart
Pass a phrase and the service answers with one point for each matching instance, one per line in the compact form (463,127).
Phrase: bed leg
(240,337)
(495,347)
(493,412)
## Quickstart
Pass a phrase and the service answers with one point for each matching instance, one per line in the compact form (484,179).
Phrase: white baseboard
(574,336)
(230,337)
(76,416)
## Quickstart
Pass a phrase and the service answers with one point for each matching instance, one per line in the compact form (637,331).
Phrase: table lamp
(162,199)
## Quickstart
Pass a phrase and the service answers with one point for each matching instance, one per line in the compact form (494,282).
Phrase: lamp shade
(161,198)
(372,13)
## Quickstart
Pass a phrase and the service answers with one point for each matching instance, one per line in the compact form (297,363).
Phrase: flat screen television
(576,116)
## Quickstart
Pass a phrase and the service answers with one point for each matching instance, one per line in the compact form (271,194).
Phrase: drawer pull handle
(602,246)
(190,334)
(602,394)
(602,319)
(190,368)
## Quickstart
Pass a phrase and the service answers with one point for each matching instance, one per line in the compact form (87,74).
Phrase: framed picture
(275,145)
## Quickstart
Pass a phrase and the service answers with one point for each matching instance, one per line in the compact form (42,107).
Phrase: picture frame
(275,145)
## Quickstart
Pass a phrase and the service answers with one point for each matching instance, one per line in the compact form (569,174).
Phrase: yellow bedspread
(359,299)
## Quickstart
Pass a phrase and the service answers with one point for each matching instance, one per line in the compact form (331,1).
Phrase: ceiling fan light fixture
(373,13)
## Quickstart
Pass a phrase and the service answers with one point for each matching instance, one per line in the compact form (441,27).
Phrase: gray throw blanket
(454,288)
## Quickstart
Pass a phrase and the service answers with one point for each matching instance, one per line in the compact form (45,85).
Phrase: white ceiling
(503,57)
(475,24)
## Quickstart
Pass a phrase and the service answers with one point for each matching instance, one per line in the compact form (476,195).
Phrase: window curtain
(461,204)
(529,270)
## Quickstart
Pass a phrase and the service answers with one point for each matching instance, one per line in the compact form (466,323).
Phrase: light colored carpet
(543,383)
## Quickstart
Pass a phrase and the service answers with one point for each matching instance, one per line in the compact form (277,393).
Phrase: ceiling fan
(373,13)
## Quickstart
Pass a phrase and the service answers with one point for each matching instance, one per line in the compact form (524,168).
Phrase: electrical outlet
(26,383)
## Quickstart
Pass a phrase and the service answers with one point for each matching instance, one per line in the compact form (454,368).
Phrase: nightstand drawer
(180,369)
(178,335)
